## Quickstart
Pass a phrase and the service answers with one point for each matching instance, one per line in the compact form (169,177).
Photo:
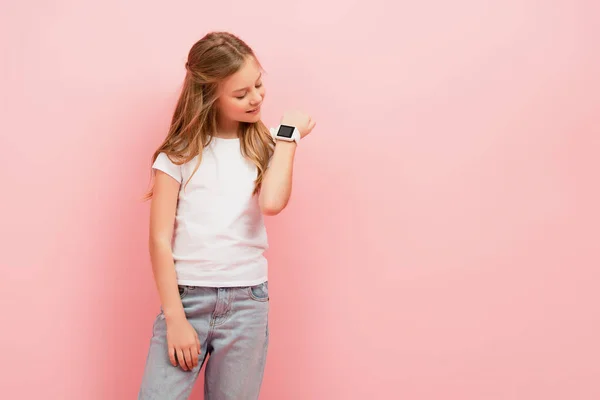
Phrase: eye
(258,85)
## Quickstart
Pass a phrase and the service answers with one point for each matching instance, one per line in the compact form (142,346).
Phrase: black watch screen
(285,131)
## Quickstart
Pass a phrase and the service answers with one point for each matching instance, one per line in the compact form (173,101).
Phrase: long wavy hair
(212,59)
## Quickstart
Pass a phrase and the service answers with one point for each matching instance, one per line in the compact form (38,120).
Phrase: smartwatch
(286,133)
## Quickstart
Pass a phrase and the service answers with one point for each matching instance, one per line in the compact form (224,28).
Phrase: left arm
(276,187)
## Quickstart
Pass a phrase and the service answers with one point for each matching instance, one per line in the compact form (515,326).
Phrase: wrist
(174,314)
(286,133)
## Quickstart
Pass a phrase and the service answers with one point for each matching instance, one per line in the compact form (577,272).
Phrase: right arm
(162,217)
(182,338)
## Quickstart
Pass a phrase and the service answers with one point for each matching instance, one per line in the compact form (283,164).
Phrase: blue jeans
(232,326)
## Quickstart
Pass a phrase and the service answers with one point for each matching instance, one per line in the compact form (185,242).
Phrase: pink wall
(442,241)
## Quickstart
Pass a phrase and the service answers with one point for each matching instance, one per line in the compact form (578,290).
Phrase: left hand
(303,122)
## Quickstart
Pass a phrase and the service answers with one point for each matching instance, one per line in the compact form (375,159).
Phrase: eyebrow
(239,90)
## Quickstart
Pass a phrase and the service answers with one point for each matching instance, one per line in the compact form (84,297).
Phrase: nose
(256,98)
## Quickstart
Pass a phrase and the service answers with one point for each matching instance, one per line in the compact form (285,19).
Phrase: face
(241,95)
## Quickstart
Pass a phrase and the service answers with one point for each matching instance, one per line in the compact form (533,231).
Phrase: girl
(217,173)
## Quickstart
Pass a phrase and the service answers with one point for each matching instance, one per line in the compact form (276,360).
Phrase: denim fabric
(232,326)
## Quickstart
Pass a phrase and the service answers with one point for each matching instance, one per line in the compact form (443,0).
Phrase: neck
(228,129)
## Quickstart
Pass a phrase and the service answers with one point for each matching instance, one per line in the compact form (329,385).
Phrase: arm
(182,338)
(276,187)
(162,216)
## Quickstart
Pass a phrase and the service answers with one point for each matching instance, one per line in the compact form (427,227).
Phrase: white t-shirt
(219,235)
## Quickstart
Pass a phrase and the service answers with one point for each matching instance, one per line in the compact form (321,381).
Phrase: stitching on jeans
(260,299)
(220,320)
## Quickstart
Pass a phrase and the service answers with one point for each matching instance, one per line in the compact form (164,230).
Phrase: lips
(253,110)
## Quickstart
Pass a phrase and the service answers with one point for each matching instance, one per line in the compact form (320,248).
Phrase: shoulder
(165,164)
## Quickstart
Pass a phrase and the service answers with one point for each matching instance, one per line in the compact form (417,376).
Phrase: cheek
(231,107)
(240,106)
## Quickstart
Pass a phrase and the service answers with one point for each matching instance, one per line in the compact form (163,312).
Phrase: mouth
(254,110)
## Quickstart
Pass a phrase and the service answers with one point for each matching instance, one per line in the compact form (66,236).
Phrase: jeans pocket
(183,290)
(259,292)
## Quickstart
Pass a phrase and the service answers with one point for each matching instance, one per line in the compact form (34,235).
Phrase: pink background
(442,241)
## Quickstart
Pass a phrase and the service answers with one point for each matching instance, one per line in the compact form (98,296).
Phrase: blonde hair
(213,58)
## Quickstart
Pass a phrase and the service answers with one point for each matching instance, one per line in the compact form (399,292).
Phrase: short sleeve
(164,164)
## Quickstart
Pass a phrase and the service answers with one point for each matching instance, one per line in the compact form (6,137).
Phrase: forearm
(165,278)
(276,187)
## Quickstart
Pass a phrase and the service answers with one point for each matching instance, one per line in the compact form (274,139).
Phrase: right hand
(183,342)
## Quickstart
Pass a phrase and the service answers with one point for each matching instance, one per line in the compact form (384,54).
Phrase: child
(217,173)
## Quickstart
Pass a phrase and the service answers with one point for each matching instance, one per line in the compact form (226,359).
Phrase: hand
(183,342)
(303,122)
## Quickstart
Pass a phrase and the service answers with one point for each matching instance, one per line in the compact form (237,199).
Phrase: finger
(198,349)
(181,359)
(188,358)
(311,125)
(172,356)
(194,355)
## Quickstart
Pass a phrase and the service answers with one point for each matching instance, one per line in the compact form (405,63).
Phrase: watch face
(285,131)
